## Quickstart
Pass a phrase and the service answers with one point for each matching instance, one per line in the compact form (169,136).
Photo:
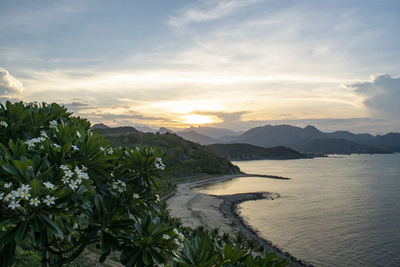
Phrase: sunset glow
(229,64)
(198,119)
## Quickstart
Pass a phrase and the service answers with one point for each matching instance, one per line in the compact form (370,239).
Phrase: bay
(335,211)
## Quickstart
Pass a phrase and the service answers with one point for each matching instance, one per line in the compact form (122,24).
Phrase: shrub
(28,259)
(63,188)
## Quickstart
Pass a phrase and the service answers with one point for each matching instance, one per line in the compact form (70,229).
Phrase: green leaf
(7,253)
(35,185)
(21,232)
(52,226)
(10,169)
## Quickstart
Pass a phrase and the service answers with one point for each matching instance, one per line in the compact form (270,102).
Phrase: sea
(340,210)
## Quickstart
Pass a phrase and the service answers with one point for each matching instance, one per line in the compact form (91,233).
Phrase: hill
(215,133)
(183,158)
(197,138)
(116,130)
(280,135)
(250,152)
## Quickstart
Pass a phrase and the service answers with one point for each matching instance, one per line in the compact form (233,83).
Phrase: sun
(197,119)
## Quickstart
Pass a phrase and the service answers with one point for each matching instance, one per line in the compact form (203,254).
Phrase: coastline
(211,211)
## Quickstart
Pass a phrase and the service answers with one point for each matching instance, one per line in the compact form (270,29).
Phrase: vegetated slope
(183,158)
(250,152)
(115,131)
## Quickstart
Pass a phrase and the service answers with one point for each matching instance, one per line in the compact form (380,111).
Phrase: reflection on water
(336,211)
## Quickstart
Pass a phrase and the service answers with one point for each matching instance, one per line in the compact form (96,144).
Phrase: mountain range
(307,140)
(312,140)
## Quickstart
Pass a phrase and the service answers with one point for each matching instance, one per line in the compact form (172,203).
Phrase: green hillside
(183,158)
(250,152)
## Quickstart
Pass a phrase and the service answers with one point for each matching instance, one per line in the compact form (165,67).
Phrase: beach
(196,209)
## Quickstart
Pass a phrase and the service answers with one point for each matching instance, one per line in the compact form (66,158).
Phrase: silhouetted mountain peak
(164,130)
(99,126)
(197,137)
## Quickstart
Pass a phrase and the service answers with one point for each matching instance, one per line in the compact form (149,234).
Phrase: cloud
(8,84)
(203,14)
(381,96)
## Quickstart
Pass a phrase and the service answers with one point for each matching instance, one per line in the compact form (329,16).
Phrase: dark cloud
(77,104)
(8,84)
(381,96)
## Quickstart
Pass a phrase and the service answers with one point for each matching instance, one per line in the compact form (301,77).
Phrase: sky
(231,64)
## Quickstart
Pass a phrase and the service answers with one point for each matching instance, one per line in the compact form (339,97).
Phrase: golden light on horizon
(194,119)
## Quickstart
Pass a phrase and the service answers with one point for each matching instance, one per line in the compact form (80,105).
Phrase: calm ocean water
(335,211)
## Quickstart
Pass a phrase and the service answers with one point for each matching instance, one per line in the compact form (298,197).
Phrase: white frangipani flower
(9,197)
(44,134)
(34,202)
(68,173)
(159,164)
(32,142)
(53,124)
(78,134)
(25,195)
(181,236)
(8,185)
(74,147)
(49,200)
(14,204)
(15,194)
(166,237)
(4,124)
(136,195)
(25,187)
(1,196)
(64,167)
(49,185)
(119,186)
(65,179)
(56,146)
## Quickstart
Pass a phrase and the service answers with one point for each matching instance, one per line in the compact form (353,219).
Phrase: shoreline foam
(195,209)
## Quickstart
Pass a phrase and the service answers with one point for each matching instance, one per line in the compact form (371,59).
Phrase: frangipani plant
(63,188)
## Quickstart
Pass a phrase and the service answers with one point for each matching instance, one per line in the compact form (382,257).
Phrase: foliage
(202,250)
(28,259)
(183,158)
(63,187)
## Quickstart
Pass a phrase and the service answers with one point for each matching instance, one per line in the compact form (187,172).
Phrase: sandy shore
(211,211)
